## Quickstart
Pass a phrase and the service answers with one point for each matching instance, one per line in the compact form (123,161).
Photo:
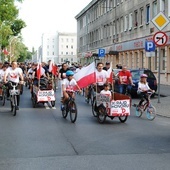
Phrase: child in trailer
(68,86)
(106,90)
(143,88)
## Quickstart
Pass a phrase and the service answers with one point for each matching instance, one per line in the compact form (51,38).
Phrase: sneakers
(62,107)
(17,107)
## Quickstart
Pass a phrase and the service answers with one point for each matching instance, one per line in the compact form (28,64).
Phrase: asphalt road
(40,139)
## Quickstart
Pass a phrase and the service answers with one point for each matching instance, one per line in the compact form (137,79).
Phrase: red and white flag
(40,70)
(86,76)
(53,68)
(110,72)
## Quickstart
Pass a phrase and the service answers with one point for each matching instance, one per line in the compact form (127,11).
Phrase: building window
(48,53)
(141,16)
(47,46)
(66,46)
(136,18)
(71,59)
(154,8)
(71,46)
(53,53)
(126,22)
(61,60)
(71,53)
(162,6)
(67,39)
(72,40)
(66,53)
(130,21)
(147,14)
(61,53)
(121,24)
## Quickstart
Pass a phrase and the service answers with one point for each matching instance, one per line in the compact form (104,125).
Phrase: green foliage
(10,25)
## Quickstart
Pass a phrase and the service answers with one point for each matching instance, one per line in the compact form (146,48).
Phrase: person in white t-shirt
(13,74)
(106,90)
(102,77)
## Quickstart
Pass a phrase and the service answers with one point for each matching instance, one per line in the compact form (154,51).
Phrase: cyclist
(125,80)
(143,88)
(62,75)
(68,84)
(102,77)
(13,74)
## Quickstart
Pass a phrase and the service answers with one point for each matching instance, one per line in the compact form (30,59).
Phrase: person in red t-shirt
(125,79)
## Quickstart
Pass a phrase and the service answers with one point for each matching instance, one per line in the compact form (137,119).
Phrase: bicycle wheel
(73,111)
(151,112)
(101,114)
(34,100)
(14,111)
(3,97)
(123,119)
(94,107)
(91,96)
(64,111)
(138,111)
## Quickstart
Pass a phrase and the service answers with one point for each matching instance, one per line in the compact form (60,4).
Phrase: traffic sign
(160,38)
(101,52)
(149,46)
(160,21)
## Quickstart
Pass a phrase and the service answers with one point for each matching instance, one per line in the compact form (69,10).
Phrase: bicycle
(148,107)
(70,107)
(13,97)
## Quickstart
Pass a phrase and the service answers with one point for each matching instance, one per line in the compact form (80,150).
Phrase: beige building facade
(122,27)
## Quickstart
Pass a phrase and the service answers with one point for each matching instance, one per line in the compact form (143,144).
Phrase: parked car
(152,81)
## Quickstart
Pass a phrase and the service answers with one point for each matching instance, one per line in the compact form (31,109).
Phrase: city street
(40,139)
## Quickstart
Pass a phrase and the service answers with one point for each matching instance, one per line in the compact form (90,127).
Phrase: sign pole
(159,68)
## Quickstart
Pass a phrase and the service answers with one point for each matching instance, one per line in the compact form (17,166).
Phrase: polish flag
(40,70)
(53,68)
(86,76)
(110,72)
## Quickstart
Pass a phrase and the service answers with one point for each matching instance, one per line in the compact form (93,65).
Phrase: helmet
(143,76)
(69,73)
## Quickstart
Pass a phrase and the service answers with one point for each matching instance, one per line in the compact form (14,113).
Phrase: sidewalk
(163,107)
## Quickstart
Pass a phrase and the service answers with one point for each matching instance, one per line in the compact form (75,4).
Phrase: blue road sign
(101,52)
(149,46)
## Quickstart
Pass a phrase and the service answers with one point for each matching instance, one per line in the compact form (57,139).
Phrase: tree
(10,25)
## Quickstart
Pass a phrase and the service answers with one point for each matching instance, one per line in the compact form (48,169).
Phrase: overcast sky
(48,16)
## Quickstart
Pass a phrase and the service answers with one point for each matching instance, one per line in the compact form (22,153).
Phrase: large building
(122,27)
(59,47)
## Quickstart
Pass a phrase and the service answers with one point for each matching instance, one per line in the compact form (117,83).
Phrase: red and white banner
(86,76)
(120,107)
